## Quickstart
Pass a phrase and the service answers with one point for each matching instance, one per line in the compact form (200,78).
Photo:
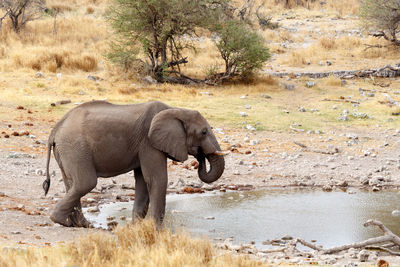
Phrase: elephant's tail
(46,183)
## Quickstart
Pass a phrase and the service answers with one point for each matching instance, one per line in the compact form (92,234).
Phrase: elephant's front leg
(141,205)
(154,168)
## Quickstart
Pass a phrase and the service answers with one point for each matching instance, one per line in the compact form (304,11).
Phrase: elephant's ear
(167,134)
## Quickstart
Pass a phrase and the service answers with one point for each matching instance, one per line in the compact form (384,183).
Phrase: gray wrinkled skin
(99,139)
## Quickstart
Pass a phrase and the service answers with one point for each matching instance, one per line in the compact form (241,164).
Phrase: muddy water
(333,218)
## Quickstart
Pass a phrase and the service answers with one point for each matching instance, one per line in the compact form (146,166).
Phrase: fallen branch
(316,150)
(295,129)
(388,250)
(371,243)
(342,100)
(62,102)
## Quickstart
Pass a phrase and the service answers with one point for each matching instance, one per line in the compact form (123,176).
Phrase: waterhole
(333,218)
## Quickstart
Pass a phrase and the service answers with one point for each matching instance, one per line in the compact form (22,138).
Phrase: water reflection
(332,219)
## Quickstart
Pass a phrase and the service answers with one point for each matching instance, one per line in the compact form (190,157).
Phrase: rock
(59,75)
(39,75)
(396,213)
(16,232)
(90,200)
(94,78)
(266,96)
(376,181)
(93,209)
(287,237)
(149,80)
(363,255)
(247,106)
(310,84)
(251,128)
(302,109)
(327,188)
(243,114)
(376,189)
(243,97)
(343,184)
(209,218)
(40,172)
(343,117)
(288,86)
(254,142)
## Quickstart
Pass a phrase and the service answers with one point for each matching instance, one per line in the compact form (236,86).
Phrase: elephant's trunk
(217,166)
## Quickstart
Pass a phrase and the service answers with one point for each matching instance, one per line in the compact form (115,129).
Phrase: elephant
(101,139)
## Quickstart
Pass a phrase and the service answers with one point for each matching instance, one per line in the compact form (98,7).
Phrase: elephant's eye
(204,131)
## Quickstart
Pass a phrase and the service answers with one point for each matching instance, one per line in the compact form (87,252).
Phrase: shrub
(243,50)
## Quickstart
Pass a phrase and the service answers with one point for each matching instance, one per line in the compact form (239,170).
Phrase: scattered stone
(287,237)
(93,209)
(247,106)
(94,78)
(288,86)
(327,188)
(266,96)
(39,75)
(243,114)
(16,232)
(90,200)
(376,189)
(251,128)
(59,75)
(396,213)
(243,97)
(209,218)
(149,80)
(363,255)
(302,109)
(310,84)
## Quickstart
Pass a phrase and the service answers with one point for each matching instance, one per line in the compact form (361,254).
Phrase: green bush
(243,50)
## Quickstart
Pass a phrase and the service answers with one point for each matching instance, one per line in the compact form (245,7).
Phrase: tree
(383,17)
(159,30)
(243,50)
(21,11)
(157,27)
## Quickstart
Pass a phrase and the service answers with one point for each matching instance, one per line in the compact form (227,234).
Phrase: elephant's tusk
(221,153)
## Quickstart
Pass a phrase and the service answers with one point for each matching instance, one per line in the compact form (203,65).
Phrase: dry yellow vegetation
(139,245)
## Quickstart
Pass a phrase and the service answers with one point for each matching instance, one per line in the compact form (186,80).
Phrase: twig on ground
(342,100)
(316,150)
(62,102)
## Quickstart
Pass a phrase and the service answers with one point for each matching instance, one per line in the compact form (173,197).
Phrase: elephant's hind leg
(79,179)
(141,204)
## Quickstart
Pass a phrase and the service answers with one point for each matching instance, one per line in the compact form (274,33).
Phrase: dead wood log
(342,100)
(388,236)
(317,150)
(62,102)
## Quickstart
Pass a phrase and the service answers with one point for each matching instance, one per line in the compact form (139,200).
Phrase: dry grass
(139,245)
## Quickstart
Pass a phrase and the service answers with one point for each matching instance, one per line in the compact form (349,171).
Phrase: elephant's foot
(78,220)
(74,219)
